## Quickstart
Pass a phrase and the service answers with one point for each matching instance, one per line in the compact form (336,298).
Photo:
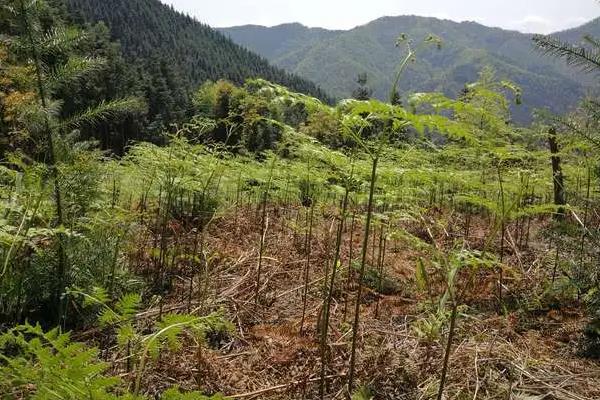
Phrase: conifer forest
(184,217)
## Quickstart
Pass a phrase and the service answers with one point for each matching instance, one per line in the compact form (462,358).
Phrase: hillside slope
(333,59)
(148,28)
(576,34)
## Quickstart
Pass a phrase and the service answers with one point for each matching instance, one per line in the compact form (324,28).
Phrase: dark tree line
(183,51)
(154,53)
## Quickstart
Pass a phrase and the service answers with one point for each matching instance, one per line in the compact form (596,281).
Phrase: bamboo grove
(274,246)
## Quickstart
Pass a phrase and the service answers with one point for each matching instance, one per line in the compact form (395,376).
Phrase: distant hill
(149,29)
(333,59)
(574,35)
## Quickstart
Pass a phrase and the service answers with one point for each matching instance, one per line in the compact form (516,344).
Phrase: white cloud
(574,22)
(534,24)
(539,24)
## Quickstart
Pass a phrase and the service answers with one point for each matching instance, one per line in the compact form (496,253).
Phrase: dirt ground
(274,352)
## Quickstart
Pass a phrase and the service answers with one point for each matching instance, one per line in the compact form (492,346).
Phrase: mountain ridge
(591,22)
(333,59)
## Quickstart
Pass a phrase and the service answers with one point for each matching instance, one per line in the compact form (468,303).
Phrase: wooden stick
(282,386)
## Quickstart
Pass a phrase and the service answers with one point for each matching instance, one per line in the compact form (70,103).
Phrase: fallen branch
(283,386)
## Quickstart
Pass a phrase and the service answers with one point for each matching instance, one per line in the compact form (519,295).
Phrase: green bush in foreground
(47,365)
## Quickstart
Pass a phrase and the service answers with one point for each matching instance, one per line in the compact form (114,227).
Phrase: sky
(539,16)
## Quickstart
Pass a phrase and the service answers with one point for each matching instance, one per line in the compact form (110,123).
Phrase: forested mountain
(279,41)
(333,59)
(149,30)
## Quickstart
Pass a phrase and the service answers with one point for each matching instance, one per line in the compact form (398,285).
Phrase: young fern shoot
(263,230)
(354,126)
(330,287)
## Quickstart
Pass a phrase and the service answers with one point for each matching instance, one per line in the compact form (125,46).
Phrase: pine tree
(362,92)
(585,57)
(48,50)
(147,27)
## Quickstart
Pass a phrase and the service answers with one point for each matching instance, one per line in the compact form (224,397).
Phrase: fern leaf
(128,305)
(421,275)
(173,325)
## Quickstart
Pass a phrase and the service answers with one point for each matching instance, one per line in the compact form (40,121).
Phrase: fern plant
(47,365)
(168,332)
(142,348)
(40,365)
(448,269)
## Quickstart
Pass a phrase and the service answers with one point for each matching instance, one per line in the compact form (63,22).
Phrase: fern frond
(99,295)
(173,325)
(587,60)
(53,365)
(126,334)
(576,128)
(128,305)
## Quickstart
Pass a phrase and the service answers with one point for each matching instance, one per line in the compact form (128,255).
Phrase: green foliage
(446,268)
(94,235)
(423,169)
(430,328)
(168,332)
(374,280)
(363,393)
(582,123)
(47,365)
(254,118)
(362,92)
(175,394)
(38,365)
(63,55)
(325,127)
